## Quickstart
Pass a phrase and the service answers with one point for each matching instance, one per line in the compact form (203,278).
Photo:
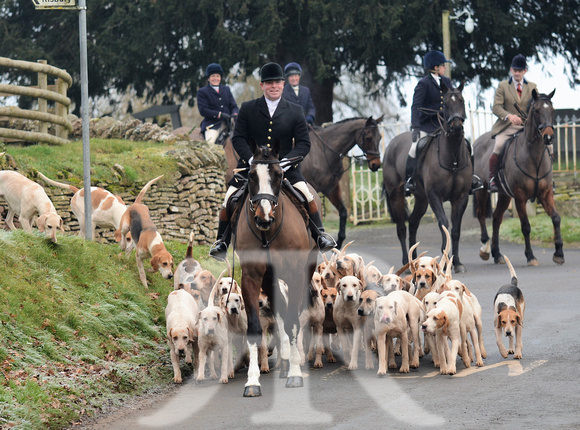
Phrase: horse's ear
(253,145)
(460,88)
(379,119)
(552,94)
(535,94)
(276,147)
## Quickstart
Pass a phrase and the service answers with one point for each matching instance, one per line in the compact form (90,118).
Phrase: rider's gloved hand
(285,164)
(224,117)
(415,134)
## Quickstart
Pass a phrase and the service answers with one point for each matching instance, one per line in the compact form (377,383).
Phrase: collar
(511,81)
(437,78)
(272,105)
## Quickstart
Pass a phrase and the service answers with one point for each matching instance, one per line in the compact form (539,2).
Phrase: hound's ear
(169,333)
(41,223)
(219,317)
(405,285)
(445,324)
(519,320)
(61,226)
(395,309)
(191,334)
(155,263)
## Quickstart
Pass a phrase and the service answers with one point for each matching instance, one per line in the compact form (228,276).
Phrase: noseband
(264,196)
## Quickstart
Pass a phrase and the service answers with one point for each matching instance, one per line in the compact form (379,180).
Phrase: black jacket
(427,95)
(210,103)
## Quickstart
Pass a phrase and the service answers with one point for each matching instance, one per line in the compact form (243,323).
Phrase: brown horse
(525,173)
(272,242)
(443,174)
(323,167)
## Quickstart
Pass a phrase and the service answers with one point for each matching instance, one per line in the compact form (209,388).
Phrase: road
(539,391)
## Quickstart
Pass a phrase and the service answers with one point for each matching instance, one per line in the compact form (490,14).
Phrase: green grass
(77,328)
(543,230)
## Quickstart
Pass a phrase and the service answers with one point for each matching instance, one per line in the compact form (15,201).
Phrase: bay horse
(525,173)
(323,167)
(273,242)
(443,174)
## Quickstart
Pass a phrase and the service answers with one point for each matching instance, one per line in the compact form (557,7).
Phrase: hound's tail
(189,253)
(512,271)
(145,188)
(58,184)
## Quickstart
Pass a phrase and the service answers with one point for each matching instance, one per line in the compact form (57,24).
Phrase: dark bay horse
(323,166)
(273,242)
(525,173)
(443,174)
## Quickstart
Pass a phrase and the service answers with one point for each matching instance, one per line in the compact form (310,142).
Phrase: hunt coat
(303,99)
(428,94)
(503,103)
(288,124)
(210,103)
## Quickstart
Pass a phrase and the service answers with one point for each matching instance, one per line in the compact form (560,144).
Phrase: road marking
(515,368)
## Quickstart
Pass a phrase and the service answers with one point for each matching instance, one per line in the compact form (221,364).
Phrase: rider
(428,95)
(267,118)
(509,119)
(215,103)
(296,93)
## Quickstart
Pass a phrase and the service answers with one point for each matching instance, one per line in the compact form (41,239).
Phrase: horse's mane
(357,118)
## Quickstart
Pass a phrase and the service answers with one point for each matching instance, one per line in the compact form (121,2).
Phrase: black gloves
(225,117)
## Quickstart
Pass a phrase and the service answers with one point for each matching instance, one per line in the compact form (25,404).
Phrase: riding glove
(415,135)
(285,164)
(225,117)
(250,160)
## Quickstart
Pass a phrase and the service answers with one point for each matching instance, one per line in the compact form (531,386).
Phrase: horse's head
(541,116)
(264,182)
(453,108)
(370,139)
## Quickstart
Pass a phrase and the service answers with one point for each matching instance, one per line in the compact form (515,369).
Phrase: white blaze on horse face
(265,187)
(453,98)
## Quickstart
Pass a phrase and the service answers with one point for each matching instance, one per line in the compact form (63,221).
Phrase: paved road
(539,391)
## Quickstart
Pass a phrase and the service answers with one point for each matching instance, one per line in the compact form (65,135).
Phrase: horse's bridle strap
(261,196)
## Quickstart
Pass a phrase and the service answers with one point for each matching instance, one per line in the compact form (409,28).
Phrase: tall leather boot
(219,249)
(476,182)
(324,241)
(493,165)
(410,176)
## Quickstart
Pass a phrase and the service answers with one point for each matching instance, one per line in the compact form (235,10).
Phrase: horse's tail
(385,195)
(488,207)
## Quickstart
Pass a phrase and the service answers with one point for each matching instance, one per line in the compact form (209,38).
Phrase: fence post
(61,110)
(42,103)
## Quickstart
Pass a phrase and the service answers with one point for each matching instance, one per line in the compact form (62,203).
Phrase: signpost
(82,8)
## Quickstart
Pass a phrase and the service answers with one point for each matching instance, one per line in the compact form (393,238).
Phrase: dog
(311,320)
(147,240)
(366,311)
(235,310)
(397,315)
(202,284)
(425,281)
(371,274)
(349,264)
(269,325)
(509,306)
(328,326)
(107,208)
(391,282)
(184,275)
(28,200)
(429,346)
(213,338)
(347,318)
(181,316)
(444,322)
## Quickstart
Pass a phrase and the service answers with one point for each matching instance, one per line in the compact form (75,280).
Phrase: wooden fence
(44,93)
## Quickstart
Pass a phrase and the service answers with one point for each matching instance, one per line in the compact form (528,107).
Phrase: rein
(262,237)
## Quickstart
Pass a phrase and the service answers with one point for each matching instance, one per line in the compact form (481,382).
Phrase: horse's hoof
(499,260)
(460,268)
(558,259)
(484,255)
(252,391)
(533,262)
(295,382)
(284,368)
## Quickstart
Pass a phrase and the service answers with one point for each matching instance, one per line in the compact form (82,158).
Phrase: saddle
(500,176)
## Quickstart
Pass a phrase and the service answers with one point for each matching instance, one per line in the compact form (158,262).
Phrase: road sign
(55,4)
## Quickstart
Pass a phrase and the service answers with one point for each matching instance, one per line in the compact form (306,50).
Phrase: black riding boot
(476,182)
(410,176)
(324,241)
(493,166)
(219,249)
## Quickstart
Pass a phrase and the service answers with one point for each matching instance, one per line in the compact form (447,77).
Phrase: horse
(273,242)
(323,167)
(443,173)
(525,173)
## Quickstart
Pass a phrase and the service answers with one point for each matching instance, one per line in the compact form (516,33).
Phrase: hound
(213,337)
(397,315)
(147,240)
(233,305)
(366,310)
(430,302)
(509,306)
(391,282)
(347,319)
(269,326)
(28,200)
(371,274)
(328,326)
(312,319)
(186,270)
(349,264)
(202,284)
(181,319)
(107,208)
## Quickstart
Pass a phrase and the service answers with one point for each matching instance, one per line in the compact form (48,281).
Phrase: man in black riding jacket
(265,119)
(427,104)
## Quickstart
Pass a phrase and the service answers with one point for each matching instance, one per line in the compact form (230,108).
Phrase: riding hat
(519,63)
(292,69)
(434,58)
(214,68)
(271,72)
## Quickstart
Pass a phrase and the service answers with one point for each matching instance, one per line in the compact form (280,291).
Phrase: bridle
(263,196)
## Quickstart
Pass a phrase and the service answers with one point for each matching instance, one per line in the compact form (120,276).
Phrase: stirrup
(476,184)
(219,250)
(325,242)
(493,188)
(409,187)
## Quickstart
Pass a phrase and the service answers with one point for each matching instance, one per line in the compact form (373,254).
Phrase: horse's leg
(289,352)
(250,292)
(481,203)
(550,208)
(457,210)
(503,202)
(436,203)
(526,228)
(415,219)
(397,209)
(336,200)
